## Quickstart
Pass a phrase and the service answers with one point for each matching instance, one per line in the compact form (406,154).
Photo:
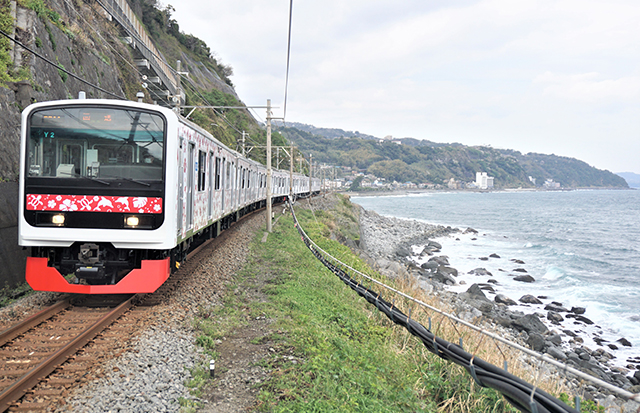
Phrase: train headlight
(132,222)
(58,220)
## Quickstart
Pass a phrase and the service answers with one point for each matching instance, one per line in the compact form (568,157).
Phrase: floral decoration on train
(94,203)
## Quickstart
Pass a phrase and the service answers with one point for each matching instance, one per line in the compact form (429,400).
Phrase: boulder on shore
(556,353)
(536,342)
(529,299)
(531,324)
(448,270)
(554,317)
(430,266)
(578,310)
(442,259)
(443,276)
(556,308)
(474,296)
(524,278)
(503,299)
(480,271)
(624,342)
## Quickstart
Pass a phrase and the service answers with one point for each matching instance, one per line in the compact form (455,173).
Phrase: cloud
(543,75)
(590,87)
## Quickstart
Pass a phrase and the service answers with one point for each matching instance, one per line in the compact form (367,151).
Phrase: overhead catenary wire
(151,86)
(286,82)
(194,88)
(115,51)
(59,67)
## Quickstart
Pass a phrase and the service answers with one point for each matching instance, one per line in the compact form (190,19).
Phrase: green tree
(355,185)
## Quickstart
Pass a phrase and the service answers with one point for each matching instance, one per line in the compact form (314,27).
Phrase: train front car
(95,206)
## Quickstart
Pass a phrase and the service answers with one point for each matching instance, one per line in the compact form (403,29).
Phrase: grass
(348,357)
(9,295)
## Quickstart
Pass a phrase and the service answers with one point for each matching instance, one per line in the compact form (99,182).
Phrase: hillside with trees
(412,160)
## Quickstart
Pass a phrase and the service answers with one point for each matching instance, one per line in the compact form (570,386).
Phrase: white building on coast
(483,181)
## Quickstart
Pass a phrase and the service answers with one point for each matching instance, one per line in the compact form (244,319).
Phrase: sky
(555,77)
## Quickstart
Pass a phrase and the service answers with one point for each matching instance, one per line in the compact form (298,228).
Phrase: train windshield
(96,143)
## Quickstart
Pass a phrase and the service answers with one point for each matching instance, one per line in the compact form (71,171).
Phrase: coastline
(404,192)
(404,247)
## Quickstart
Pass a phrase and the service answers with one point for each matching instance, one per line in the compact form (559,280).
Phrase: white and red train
(113,194)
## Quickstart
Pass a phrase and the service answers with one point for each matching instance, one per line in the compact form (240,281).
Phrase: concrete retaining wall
(12,257)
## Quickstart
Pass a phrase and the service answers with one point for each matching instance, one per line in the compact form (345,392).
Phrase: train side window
(202,170)
(217,182)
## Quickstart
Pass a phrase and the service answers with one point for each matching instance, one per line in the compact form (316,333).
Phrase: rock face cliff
(81,37)
(88,54)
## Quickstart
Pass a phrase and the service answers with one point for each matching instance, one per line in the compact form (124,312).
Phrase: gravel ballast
(151,376)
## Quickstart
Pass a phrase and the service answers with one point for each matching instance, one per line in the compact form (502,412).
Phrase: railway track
(43,343)
(43,357)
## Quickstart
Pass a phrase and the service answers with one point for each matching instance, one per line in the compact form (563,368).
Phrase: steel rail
(26,325)
(46,367)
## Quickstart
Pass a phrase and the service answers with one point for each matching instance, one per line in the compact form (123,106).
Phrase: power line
(286,83)
(59,67)
(100,36)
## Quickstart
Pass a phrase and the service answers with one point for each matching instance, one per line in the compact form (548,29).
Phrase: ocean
(581,247)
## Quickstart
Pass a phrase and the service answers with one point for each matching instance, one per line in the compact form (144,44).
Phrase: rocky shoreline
(402,247)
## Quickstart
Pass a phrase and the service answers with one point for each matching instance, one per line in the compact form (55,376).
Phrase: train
(114,194)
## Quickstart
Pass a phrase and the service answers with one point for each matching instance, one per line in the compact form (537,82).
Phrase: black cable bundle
(522,395)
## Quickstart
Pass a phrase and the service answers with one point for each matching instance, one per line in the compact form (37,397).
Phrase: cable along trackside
(521,394)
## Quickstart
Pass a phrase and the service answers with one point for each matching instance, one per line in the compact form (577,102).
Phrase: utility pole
(243,134)
(176,99)
(268,165)
(310,163)
(291,173)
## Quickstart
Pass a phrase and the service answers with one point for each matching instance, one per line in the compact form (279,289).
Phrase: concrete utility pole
(310,163)
(243,134)
(291,173)
(268,165)
(177,98)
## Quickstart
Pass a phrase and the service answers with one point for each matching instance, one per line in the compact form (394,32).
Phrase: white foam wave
(553,273)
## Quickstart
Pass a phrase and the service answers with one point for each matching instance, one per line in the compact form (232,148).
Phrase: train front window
(101,143)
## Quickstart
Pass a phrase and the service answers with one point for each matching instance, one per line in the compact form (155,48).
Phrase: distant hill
(422,161)
(329,133)
(632,179)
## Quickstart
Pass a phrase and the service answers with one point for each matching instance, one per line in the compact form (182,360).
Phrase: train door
(224,181)
(191,166)
(213,171)
(232,185)
(70,156)
(236,191)
(243,193)
(180,187)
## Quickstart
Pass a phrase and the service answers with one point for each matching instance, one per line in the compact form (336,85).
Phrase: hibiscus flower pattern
(142,205)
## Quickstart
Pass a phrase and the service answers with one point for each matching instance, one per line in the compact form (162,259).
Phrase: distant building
(453,184)
(483,181)
(552,185)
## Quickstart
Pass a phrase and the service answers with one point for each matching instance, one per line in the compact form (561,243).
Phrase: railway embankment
(320,347)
